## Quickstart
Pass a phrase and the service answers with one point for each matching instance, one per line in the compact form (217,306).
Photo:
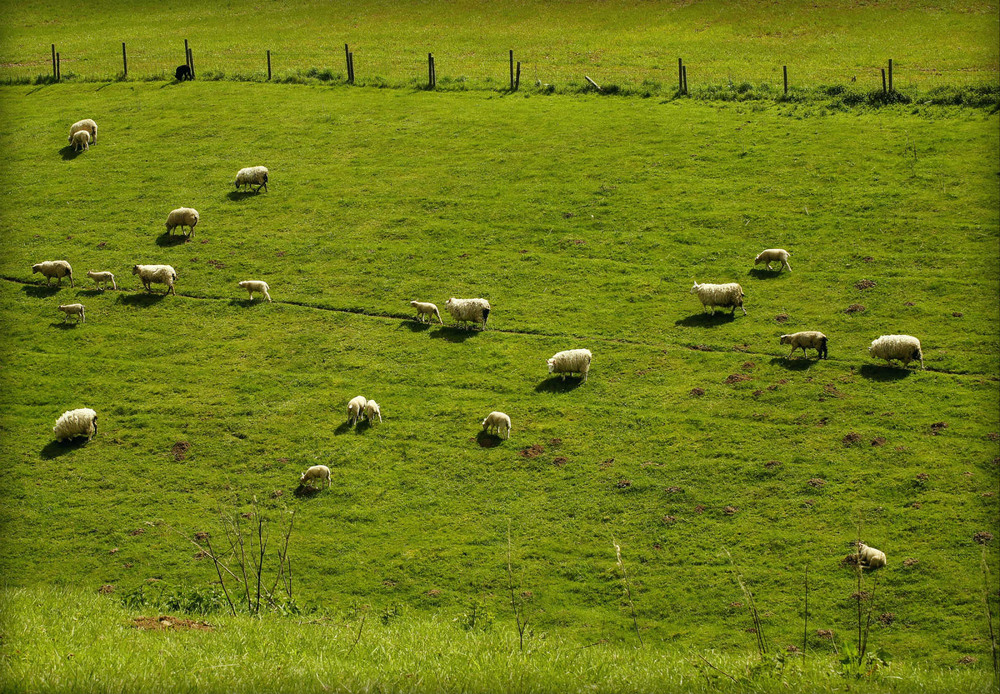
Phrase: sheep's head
(786,340)
(552,364)
(135,269)
(36,268)
(694,288)
(413,304)
(93,423)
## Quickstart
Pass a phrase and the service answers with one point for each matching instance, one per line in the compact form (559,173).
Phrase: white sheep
(250,176)
(73,423)
(813,339)
(356,408)
(74,310)
(426,308)
(469,310)
(256,286)
(869,557)
(80,140)
(316,472)
(182,217)
(54,268)
(105,277)
(906,348)
(722,295)
(372,411)
(86,125)
(773,255)
(499,422)
(571,361)
(160,274)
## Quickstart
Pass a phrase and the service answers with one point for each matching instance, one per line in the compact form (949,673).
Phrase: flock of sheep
(83,422)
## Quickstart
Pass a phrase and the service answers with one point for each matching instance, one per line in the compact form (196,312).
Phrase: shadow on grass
(247,303)
(363,426)
(762,274)
(343,428)
(415,326)
(874,372)
(706,320)
(304,491)
(454,334)
(40,290)
(68,153)
(802,364)
(143,299)
(93,292)
(238,195)
(64,324)
(556,384)
(168,240)
(54,449)
(488,440)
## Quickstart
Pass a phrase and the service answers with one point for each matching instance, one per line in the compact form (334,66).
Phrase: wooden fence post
(784,69)
(883,82)
(350,69)
(680,76)
(890,74)
(187,54)
(58,69)
(512,69)
(431,77)
(269,66)
(190,59)
(350,59)
(517,78)
(124,61)
(53,61)
(684,72)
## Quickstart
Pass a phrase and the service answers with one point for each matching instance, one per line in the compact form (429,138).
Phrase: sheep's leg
(785,263)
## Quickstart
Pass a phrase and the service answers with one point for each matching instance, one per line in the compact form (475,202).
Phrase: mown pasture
(584,221)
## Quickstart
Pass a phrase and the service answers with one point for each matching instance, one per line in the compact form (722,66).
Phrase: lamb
(183,72)
(356,408)
(80,140)
(813,339)
(316,472)
(160,274)
(425,308)
(723,295)
(250,176)
(469,310)
(54,268)
(773,255)
(73,423)
(86,124)
(372,411)
(571,361)
(869,557)
(906,348)
(499,422)
(256,286)
(73,310)
(182,217)
(105,277)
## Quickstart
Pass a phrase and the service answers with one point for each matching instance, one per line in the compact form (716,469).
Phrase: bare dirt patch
(606,464)
(106,589)
(864,284)
(938,427)
(668,520)
(559,461)
(623,484)
(697,391)
(781,318)
(910,562)
(887,618)
(878,441)
(137,531)
(983,537)
(674,490)
(730,510)
(855,308)
(180,450)
(772,464)
(168,623)
(852,438)
(816,482)
(736,378)
(532,451)
(748,365)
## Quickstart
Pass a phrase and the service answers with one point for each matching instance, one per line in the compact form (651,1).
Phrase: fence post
(784,69)
(684,72)
(680,76)
(430,71)
(890,74)
(53,61)
(190,59)
(124,61)
(187,54)
(512,69)
(517,78)
(269,66)
(58,69)
(347,59)
(883,81)
(350,59)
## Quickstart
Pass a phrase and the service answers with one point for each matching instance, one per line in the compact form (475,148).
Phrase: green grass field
(584,221)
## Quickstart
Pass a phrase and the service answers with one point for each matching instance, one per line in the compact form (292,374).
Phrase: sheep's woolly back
(182,217)
(316,472)
(255,285)
(54,268)
(80,139)
(73,310)
(86,124)
(871,557)
(496,419)
(160,274)
(475,310)
(356,407)
(425,307)
(772,254)
(906,348)
(255,175)
(73,423)
(99,277)
(724,295)
(570,361)
(806,338)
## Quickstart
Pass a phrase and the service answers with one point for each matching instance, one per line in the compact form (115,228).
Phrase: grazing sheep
(160,274)
(813,339)
(85,124)
(356,408)
(105,277)
(73,423)
(499,422)
(469,310)
(906,348)
(183,72)
(773,255)
(73,310)
(869,557)
(256,286)
(251,176)
(54,268)
(80,140)
(182,217)
(571,361)
(722,295)
(425,308)
(316,472)
(372,411)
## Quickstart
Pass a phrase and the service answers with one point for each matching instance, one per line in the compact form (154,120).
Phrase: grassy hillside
(583,221)
(621,43)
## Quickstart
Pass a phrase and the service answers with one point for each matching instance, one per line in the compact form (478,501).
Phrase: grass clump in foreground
(58,640)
